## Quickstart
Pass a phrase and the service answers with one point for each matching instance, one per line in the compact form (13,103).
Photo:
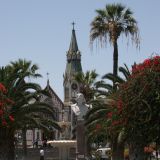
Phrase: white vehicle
(105,153)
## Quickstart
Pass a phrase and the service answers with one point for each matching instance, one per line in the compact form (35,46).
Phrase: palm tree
(97,115)
(87,83)
(104,93)
(118,79)
(25,109)
(109,24)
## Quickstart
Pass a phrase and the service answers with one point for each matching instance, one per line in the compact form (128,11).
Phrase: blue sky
(40,30)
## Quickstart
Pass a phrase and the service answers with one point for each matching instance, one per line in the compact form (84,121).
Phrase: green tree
(140,106)
(24,109)
(109,24)
(87,83)
(99,121)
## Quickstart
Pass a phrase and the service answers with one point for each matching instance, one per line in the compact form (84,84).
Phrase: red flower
(109,115)
(2,88)
(147,63)
(1,112)
(9,101)
(4,123)
(156,57)
(114,123)
(134,68)
(98,126)
(11,118)
(156,62)
(119,105)
(1,104)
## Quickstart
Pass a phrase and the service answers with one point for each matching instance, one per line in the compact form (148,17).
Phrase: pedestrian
(35,143)
(41,153)
(44,143)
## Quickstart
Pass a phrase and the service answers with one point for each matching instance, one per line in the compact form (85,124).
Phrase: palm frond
(112,78)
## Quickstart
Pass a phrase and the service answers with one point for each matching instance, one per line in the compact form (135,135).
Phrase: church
(63,113)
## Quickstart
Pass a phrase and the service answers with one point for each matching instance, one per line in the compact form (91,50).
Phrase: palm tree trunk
(115,62)
(136,151)
(6,144)
(117,150)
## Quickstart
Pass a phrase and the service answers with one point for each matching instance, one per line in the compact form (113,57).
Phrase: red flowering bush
(98,127)
(2,88)
(136,104)
(5,105)
(140,101)
(115,121)
(151,63)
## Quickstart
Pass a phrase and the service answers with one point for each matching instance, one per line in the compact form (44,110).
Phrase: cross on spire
(73,23)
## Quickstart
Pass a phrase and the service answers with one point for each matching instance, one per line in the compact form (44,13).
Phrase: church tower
(73,66)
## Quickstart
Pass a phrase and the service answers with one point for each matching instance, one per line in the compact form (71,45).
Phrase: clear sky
(40,30)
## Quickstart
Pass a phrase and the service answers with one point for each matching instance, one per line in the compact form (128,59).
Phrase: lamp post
(18,139)
(77,155)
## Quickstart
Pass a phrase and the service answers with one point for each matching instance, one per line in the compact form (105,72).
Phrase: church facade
(63,113)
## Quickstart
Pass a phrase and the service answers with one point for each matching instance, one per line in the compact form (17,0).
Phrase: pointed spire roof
(48,85)
(73,57)
(73,44)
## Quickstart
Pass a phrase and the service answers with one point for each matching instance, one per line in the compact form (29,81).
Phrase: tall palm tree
(26,110)
(109,24)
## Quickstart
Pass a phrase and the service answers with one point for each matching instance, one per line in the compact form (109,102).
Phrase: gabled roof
(53,94)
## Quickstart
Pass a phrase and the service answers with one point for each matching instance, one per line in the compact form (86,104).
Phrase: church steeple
(73,48)
(73,55)
(73,66)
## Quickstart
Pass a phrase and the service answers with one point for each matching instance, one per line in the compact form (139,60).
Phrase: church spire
(47,80)
(73,66)
(73,55)
(73,48)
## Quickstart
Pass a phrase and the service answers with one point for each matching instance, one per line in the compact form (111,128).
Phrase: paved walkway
(33,154)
